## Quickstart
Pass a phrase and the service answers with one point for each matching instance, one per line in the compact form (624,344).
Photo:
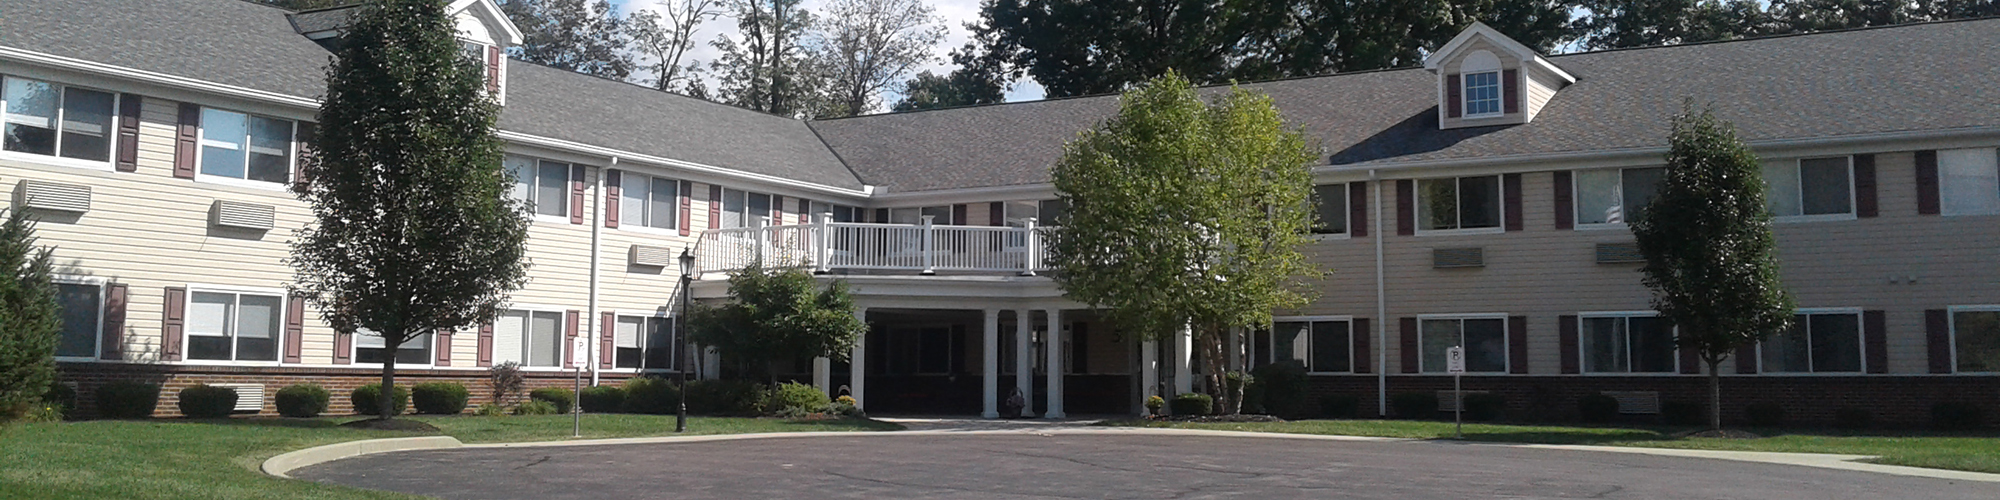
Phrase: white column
(1234,346)
(990,364)
(1024,359)
(1184,361)
(711,363)
(1149,371)
(1055,350)
(857,366)
(823,375)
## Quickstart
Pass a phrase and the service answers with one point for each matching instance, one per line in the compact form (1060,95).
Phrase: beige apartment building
(1478,201)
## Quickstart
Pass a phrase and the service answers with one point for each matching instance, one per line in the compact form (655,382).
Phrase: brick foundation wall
(340,382)
(1895,401)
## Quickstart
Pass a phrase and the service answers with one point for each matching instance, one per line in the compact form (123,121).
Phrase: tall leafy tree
(1710,258)
(1184,212)
(29,320)
(413,229)
(1611,24)
(867,45)
(667,34)
(960,88)
(777,314)
(584,36)
(770,69)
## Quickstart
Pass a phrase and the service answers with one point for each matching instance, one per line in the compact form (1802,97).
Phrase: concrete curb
(286,463)
(1821,460)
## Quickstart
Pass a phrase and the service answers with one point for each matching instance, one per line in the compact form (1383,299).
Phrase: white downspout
(1381,306)
(596,248)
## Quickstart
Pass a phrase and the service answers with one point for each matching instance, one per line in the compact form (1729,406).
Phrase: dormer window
(1486,79)
(1482,94)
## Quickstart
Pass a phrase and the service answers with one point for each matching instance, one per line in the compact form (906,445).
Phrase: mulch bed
(391,425)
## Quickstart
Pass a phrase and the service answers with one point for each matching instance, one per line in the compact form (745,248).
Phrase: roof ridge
(510,57)
(1785,35)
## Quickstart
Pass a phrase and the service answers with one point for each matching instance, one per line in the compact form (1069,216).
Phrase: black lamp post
(680,330)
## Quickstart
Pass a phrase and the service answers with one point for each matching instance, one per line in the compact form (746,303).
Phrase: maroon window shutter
(486,344)
(576,191)
(173,320)
(1357,208)
(714,206)
(959,213)
(1510,90)
(606,348)
(1937,333)
(777,210)
(571,320)
(295,327)
(184,140)
(1875,340)
(343,348)
(1566,328)
(302,168)
(1517,344)
(996,214)
(1359,335)
(1410,345)
(805,211)
(444,347)
(1927,183)
(114,321)
(1565,201)
(1690,361)
(613,180)
(493,69)
(1746,359)
(1451,104)
(687,206)
(128,131)
(1865,204)
(1510,189)
(1406,207)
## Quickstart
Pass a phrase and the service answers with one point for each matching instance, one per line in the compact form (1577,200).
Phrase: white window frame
(1951,325)
(187,307)
(110,159)
(649,315)
(354,352)
(1506,338)
(291,155)
(1861,343)
(1499,95)
(680,189)
(1346,213)
(97,339)
(569,179)
(1576,199)
(561,325)
(1944,199)
(1271,337)
(1798,166)
(1583,353)
(1499,217)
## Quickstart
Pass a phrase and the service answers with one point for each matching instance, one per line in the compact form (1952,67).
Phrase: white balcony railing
(828,246)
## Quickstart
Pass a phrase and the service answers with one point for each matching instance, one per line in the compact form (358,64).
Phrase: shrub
(1684,413)
(506,382)
(61,399)
(1192,404)
(725,397)
(536,407)
(367,399)
(128,399)
(302,400)
(490,410)
(43,413)
(1284,388)
(1154,404)
(651,396)
(1957,415)
(1234,383)
(1764,414)
(207,401)
(1484,406)
(440,398)
(1597,408)
(562,399)
(1339,406)
(844,406)
(1414,405)
(794,399)
(602,399)
(1853,418)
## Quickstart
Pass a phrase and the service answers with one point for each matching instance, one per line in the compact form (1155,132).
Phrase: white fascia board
(161,79)
(493,15)
(1481,30)
(628,156)
(1830,145)
(1021,192)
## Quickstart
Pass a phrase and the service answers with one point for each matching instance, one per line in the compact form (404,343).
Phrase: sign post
(1455,363)
(578,355)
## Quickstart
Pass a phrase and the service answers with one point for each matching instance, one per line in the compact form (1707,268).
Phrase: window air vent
(249,397)
(45,195)
(644,255)
(1636,402)
(241,215)
(1619,253)
(1442,258)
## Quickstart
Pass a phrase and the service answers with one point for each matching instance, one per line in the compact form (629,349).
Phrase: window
(1811,187)
(841,213)
(1975,343)
(372,349)
(1969,181)
(1626,344)
(239,146)
(1484,339)
(1321,345)
(1613,195)
(1482,94)
(644,342)
(1018,213)
(81,308)
(543,184)
(647,201)
(1816,343)
(1052,212)
(55,120)
(1458,203)
(229,326)
(531,338)
(939,215)
(474,53)
(1329,205)
(745,209)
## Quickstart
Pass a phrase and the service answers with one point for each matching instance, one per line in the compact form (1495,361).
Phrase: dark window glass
(1288,341)
(1653,348)
(1330,347)
(1824,186)
(1330,209)
(1479,201)
(1485,345)
(86,124)
(31,115)
(1976,337)
(80,312)
(1836,342)
(1640,186)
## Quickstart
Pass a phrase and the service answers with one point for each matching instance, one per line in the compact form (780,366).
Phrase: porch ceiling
(933,292)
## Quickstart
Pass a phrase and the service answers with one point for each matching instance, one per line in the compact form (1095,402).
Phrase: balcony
(845,247)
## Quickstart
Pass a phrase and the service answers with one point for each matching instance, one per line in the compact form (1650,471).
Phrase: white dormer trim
(1528,56)
(506,35)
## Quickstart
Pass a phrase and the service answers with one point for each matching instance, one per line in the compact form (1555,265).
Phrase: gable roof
(1915,77)
(1481,31)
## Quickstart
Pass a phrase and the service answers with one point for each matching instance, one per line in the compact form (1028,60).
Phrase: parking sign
(1455,360)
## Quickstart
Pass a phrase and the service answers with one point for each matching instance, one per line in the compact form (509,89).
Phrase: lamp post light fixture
(680,330)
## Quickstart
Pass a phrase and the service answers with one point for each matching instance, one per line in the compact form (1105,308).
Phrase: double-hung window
(543,184)
(841,213)
(47,119)
(531,338)
(647,201)
(1458,203)
(1052,211)
(645,342)
(1484,339)
(1322,345)
(1626,343)
(1975,339)
(80,304)
(1615,196)
(1812,188)
(745,209)
(1329,209)
(1969,181)
(1482,94)
(1817,342)
(370,348)
(940,215)
(233,326)
(243,146)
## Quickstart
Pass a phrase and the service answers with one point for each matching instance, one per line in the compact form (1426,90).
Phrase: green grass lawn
(1979,453)
(219,459)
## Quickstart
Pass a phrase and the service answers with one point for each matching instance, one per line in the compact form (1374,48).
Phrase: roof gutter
(628,156)
(1761,146)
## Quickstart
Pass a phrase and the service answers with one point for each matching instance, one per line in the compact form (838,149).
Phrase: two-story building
(1479,201)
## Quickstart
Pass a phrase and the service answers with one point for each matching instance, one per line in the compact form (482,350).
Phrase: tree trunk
(387,400)
(1714,395)
(1211,365)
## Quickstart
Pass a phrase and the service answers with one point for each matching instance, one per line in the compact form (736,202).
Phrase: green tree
(777,314)
(29,320)
(770,69)
(576,35)
(1186,213)
(414,230)
(667,39)
(960,88)
(1612,24)
(1710,258)
(868,45)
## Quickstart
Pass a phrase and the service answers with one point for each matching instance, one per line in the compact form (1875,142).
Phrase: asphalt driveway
(1059,465)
